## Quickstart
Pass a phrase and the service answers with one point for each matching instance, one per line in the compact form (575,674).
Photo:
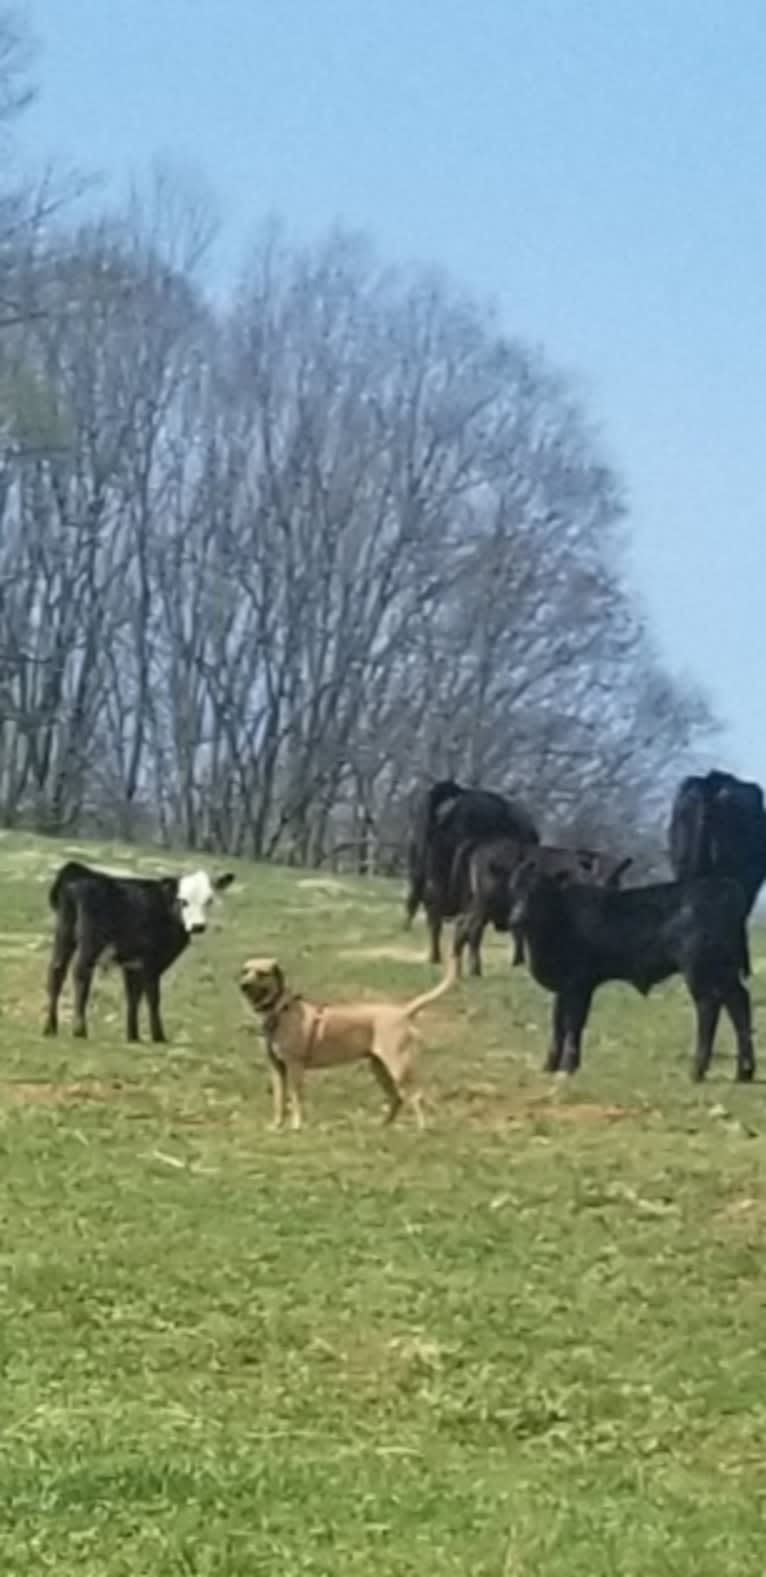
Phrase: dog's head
(262,982)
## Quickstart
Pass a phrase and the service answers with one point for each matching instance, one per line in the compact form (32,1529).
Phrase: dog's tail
(438,991)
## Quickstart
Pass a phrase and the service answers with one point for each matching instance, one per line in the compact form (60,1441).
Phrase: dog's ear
(220,883)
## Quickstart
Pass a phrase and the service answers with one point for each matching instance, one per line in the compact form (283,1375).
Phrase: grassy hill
(529,1341)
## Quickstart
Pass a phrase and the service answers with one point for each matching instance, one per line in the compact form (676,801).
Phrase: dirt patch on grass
(393,954)
(326,884)
(21,1094)
(588,1112)
(746,1210)
(538,1108)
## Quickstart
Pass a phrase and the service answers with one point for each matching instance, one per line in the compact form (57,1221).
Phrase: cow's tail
(437,795)
(460,879)
(416,889)
(71,872)
(418,1003)
(745,968)
(417,853)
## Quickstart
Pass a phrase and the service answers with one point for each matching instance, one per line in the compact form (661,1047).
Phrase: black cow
(139,923)
(580,937)
(429,812)
(481,886)
(448,818)
(718,828)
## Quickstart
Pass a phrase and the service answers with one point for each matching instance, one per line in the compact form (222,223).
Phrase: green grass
(529,1341)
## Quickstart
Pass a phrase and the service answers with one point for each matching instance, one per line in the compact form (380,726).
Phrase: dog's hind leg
(389,1087)
(391,1064)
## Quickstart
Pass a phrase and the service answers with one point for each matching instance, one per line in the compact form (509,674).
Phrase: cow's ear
(528,867)
(169,887)
(220,883)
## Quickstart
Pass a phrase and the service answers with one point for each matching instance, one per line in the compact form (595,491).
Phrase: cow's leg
(459,940)
(85,962)
(737,1004)
(708,1010)
(133,980)
(412,903)
(517,957)
(64,944)
(475,934)
(576,1010)
(553,1059)
(152,988)
(435,931)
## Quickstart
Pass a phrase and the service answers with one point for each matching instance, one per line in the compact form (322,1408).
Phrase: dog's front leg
(295,1091)
(278,1090)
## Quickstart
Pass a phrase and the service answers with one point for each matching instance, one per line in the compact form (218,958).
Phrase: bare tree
(17,51)
(277,562)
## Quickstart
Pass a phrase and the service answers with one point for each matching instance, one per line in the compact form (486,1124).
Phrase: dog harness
(280,1006)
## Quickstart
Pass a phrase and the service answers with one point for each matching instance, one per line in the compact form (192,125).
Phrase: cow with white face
(142,924)
(196,894)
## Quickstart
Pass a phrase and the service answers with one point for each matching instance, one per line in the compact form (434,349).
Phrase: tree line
(268,562)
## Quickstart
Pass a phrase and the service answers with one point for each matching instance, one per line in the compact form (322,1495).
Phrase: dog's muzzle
(259,996)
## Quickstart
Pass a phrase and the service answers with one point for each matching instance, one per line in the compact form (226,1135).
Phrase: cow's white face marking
(195,895)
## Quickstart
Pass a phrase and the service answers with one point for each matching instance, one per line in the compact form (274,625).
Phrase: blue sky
(595,167)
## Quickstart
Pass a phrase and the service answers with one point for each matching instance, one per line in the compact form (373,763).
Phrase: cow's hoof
(745,1073)
(698,1074)
(80,1032)
(50,1029)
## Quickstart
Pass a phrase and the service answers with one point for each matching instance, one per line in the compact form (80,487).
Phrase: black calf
(581,937)
(142,925)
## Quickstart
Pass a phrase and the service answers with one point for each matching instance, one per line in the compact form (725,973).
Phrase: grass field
(529,1341)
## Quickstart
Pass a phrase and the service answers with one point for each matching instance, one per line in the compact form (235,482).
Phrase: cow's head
(196,893)
(527,881)
(522,883)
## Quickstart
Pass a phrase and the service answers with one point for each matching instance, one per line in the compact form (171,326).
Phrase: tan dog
(301,1035)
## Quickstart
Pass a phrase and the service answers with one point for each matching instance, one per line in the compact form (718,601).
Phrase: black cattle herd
(477,858)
